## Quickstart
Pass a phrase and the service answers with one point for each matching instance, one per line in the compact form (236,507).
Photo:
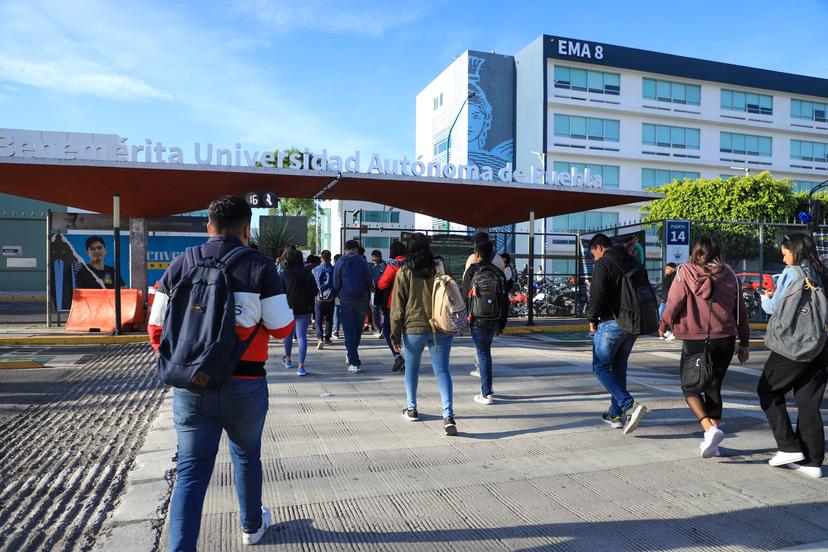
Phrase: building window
(812,111)
(745,144)
(435,104)
(670,136)
(441,99)
(672,92)
(563,266)
(440,147)
(381,216)
(809,151)
(587,220)
(608,173)
(591,128)
(375,242)
(800,186)
(653,178)
(747,102)
(585,80)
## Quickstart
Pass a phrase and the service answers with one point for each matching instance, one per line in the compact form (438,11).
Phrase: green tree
(759,198)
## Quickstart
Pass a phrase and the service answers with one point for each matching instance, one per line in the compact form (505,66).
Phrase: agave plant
(272,238)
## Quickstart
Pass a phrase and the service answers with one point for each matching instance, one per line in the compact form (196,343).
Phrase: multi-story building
(637,118)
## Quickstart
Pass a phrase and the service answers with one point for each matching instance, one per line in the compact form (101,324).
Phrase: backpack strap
(233,255)
(192,256)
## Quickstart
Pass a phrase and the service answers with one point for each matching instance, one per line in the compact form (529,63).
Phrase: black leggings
(707,403)
(807,381)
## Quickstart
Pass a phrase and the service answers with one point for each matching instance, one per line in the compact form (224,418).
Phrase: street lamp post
(542,159)
(469,96)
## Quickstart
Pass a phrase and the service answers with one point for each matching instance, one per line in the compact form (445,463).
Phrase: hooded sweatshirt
(687,304)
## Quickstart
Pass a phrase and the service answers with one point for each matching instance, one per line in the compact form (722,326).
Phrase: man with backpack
(488,306)
(214,311)
(351,283)
(324,302)
(622,305)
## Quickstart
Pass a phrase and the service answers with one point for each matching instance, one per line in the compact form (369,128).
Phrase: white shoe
(287,363)
(267,521)
(354,369)
(810,471)
(782,458)
(320,345)
(488,399)
(710,446)
(670,337)
(475,373)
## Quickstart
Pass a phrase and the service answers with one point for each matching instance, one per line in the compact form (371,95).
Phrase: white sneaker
(267,521)
(710,446)
(488,399)
(670,337)
(354,369)
(287,363)
(782,458)
(475,373)
(320,345)
(810,471)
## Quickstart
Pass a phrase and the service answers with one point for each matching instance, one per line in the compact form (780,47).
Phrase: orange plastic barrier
(93,310)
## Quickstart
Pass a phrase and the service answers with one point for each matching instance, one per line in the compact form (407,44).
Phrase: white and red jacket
(259,296)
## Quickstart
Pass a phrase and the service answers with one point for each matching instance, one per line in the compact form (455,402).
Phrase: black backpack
(199,345)
(484,293)
(638,313)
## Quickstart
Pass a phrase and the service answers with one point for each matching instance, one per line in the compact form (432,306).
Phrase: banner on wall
(634,242)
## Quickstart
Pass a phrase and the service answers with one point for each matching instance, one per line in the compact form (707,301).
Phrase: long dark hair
(418,256)
(804,249)
(706,250)
(294,259)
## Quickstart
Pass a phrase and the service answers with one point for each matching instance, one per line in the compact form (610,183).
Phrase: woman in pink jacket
(706,299)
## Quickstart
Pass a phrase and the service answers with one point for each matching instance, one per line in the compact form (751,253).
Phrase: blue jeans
(483,332)
(300,330)
(386,330)
(337,319)
(661,308)
(352,315)
(413,346)
(238,408)
(376,313)
(611,349)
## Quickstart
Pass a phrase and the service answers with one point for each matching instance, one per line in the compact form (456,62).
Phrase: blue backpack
(199,345)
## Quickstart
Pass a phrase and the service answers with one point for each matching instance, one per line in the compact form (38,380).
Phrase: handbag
(697,369)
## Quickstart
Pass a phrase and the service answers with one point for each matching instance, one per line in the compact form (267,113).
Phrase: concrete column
(138,254)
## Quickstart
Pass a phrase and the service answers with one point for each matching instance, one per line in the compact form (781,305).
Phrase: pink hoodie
(687,310)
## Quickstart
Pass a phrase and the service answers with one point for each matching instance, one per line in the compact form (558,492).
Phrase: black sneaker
(615,422)
(410,414)
(449,425)
(399,364)
(328,341)
(633,417)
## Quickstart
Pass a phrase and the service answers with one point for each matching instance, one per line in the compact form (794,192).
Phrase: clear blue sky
(317,73)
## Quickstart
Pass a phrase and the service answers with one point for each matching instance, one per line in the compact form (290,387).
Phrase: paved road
(538,470)
(69,434)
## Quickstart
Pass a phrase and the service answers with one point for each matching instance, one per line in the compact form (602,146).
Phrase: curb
(18,364)
(558,328)
(74,340)
(23,298)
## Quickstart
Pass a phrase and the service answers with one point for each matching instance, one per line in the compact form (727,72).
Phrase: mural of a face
(480,119)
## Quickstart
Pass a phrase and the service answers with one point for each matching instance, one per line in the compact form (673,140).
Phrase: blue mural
(491,133)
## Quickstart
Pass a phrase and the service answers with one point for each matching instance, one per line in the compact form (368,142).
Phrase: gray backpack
(797,330)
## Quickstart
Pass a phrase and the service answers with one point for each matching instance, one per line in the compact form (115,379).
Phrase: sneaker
(475,372)
(301,371)
(782,458)
(662,337)
(336,335)
(449,425)
(378,334)
(399,364)
(267,521)
(410,414)
(320,345)
(810,471)
(615,422)
(670,337)
(287,363)
(328,341)
(354,369)
(710,446)
(488,399)
(633,417)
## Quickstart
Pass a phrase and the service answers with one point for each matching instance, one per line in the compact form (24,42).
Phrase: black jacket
(605,290)
(301,289)
(666,282)
(504,298)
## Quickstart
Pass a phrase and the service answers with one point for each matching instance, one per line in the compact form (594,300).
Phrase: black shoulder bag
(697,370)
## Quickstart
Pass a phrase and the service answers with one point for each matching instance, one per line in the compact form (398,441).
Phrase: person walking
(238,407)
(488,305)
(804,449)
(377,268)
(301,293)
(323,305)
(337,320)
(385,287)
(351,283)
(611,346)
(411,328)
(706,311)
(666,282)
